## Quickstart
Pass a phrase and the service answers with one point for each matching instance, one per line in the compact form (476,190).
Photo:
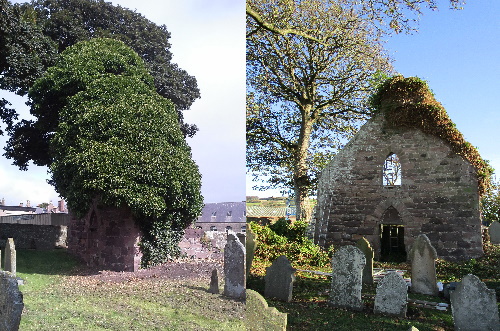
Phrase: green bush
(290,242)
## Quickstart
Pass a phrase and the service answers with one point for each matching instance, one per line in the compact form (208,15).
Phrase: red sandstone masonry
(438,195)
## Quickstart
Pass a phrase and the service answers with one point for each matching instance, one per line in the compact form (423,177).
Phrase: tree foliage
(119,141)
(311,66)
(33,34)
(490,203)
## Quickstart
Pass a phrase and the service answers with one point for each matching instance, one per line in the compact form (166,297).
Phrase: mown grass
(309,309)
(56,298)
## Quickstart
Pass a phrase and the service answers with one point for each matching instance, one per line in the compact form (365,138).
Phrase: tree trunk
(301,180)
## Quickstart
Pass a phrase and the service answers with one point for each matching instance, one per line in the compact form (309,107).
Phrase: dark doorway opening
(392,243)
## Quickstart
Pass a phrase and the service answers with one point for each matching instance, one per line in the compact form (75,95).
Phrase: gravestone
(234,268)
(347,263)
(261,317)
(494,232)
(366,248)
(423,267)
(10,257)
(391,296)
(214,283)
(11,302)
(251,246)
(279,280)
(474,306)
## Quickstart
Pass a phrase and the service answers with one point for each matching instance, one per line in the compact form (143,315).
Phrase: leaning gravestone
(251,246)
(494,232)
(391,296)
(347,263)
(261,317)
(474,306)
(279,280)
(423,267)
(11,302)
(366,248)
(234,268)
(214,283)
(10,257)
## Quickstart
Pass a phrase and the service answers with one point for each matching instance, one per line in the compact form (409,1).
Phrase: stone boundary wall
(201,244)
(30,236)
(37,219)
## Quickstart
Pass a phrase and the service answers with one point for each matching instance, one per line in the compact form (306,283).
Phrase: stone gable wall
(438,195)
(107,238)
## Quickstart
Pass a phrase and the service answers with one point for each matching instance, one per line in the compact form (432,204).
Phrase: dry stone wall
(438,195)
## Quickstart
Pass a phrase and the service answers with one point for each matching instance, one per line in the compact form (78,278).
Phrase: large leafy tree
(117,140)
(33,34)
(311,65)
(490,203)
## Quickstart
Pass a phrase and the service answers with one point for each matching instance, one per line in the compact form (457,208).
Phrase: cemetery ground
(309,309)
(61,294)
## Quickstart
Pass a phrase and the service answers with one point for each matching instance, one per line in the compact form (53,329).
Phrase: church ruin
(406,172)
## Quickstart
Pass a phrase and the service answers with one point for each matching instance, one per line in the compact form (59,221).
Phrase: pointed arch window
(392,171)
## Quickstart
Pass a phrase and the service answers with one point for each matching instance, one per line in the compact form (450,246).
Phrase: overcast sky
(458,54)
(208,41)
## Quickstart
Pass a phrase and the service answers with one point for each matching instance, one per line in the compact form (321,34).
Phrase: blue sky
(458,54)
(208,41)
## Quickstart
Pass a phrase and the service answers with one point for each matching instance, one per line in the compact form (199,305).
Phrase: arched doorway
(392,234)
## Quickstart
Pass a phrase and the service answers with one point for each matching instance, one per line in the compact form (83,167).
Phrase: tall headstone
(474,306)
(214,283)
(261,317)
(391,295)
(279,280)
(423,267)
(10,257)
(494,232)
(11,303)
(366,248)
(234,268)
(347,263)
(251,246)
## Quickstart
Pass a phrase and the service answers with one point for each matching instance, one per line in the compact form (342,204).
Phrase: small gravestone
(234,268)
(423,266)
(11,302)
(214,283)
(251,246)
(391,296)
(474,306)
(279,280)
(261,317)
(366,248)
(347,263)
(494,232)
(10,257)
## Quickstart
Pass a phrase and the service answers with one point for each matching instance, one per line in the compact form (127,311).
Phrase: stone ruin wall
(107,237)
(438,196)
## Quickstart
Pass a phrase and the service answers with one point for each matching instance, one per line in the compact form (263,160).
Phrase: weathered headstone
(11,302)
(366,248)
(10,256)
(347,263)
(423,266)
(279,280)
(234,268)
(251,246)
(261,317)
(391,296)
(494,232)
(474,306)
(214,283)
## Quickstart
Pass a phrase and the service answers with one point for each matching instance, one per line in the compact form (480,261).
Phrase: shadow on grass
(47,262)
(221,296)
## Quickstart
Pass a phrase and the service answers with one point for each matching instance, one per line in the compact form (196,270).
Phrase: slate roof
(223,212)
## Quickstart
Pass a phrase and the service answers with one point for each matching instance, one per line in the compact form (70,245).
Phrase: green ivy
(409,102)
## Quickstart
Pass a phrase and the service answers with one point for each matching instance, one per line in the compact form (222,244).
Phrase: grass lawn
(309,309)
(57,298)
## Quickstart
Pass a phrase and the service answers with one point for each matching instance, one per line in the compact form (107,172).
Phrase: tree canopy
(32,34)
(119,141)
(311,67)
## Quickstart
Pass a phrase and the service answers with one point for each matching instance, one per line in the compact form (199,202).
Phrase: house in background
(222,216)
